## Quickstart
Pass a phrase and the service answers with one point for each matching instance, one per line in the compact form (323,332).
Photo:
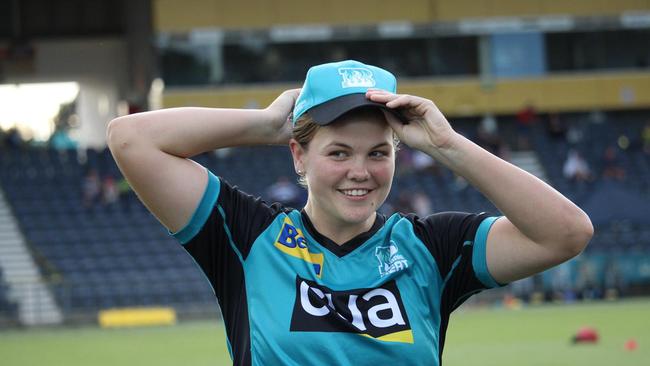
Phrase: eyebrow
(340,144)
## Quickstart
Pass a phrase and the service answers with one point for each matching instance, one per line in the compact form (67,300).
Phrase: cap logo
(353,77)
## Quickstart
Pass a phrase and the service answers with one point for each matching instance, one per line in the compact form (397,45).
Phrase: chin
(357,216)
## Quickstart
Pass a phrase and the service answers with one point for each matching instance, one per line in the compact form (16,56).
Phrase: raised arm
(541,227)
(152,150)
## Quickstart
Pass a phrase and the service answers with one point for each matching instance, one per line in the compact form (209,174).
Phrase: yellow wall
(468,97)
(183,15)
(174,15)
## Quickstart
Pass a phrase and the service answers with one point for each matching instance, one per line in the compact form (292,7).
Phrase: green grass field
(531,336)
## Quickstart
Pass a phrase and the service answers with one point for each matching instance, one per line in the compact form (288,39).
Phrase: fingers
(287,97)
(292,93)
(394,101)
(380,96)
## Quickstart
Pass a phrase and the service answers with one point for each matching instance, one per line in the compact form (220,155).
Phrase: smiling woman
(336,282)
(31,108)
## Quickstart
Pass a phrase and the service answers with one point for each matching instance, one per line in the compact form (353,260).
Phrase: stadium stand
(104,256)
(118,255)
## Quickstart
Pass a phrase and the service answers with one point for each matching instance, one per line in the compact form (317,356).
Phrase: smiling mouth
(355,192)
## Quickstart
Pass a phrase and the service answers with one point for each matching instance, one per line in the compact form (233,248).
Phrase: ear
(298,154)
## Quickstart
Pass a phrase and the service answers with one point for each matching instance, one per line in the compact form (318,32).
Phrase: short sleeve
(223,227)
(457,242)
(202,211)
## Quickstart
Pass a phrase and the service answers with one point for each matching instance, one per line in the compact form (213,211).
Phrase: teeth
(355,192)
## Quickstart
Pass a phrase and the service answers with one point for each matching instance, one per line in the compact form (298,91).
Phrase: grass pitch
(541,335)
(531,336)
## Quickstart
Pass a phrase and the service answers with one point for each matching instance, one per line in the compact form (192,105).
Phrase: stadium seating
(118,255)
(106,256)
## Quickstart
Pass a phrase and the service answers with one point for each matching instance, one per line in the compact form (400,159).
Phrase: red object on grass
(631,344)
(586,335)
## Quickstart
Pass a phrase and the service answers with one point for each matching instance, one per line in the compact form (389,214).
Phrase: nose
(358,171)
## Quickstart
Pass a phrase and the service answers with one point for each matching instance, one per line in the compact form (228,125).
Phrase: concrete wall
(99,66)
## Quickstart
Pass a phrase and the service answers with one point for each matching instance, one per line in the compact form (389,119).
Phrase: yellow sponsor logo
(291,241)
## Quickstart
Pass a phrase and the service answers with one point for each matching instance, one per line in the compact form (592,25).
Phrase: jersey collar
(350,245)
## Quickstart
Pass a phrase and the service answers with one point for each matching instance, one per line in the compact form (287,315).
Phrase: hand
(278,114)
(426,127)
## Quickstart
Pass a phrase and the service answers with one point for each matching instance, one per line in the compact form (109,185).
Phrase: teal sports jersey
(290,296)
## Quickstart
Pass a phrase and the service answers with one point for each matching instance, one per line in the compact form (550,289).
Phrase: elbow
(120,134)
(578,233)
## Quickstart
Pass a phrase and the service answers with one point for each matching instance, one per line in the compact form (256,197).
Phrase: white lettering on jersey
(306,303)
(357,317)
(396,315)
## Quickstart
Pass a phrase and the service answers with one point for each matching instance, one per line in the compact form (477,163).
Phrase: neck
(337,231)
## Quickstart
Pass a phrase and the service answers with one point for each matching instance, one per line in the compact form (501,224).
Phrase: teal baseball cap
(333,89)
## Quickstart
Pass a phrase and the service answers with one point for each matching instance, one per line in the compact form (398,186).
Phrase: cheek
(384,172)
(327,172)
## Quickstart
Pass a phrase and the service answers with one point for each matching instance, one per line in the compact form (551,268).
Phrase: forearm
(185,132)
(535,208)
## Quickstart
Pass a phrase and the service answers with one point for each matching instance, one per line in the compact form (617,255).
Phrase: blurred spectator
(488,134)
(555,127)
(612,168)
(423,163)
(614,282)
(488,125)
(526,119)
(110,192)
(285,192)
(574,135)
(91,188)
(460,183)
(421,204)
(61,140)
(587,283)
(12,139)
(561,283)
(576,168)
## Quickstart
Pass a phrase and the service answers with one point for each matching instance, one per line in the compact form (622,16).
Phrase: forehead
(359,128)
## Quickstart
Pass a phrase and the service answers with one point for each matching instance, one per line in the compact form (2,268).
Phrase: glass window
(259,62)
(181,67)
(256,60)
(584,51)
(517,54)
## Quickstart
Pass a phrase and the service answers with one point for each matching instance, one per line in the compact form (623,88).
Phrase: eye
(378,154)
(338,154)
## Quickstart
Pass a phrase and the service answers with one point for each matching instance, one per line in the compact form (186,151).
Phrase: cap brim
(329,111)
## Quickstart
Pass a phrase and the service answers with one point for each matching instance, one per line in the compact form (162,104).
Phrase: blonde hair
(306,128)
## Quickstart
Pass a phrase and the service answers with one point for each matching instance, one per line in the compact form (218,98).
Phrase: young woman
(337,283)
